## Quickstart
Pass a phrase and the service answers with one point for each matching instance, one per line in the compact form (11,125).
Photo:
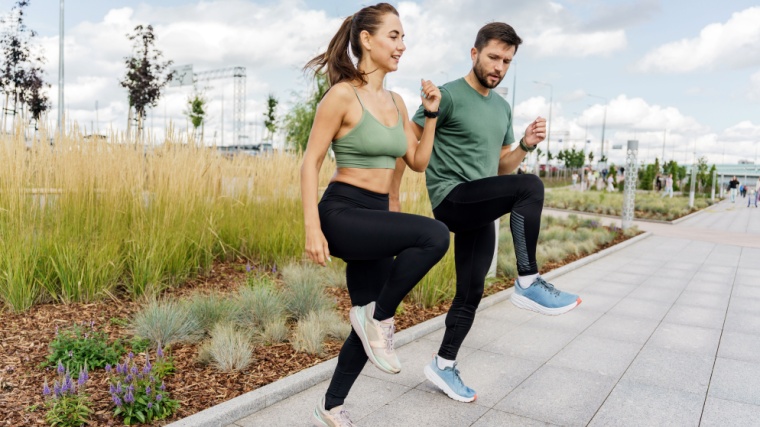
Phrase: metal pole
(712,195)
(631,174)
(693,184)
(549,130)
(60,73)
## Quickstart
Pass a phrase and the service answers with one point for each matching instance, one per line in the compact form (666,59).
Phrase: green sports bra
(371,144)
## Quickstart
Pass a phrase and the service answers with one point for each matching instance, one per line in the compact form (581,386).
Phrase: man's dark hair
(497,31)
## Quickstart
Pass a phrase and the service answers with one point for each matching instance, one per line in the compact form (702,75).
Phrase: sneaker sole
(362,333)
(318,422)
(440,383)
(528,304)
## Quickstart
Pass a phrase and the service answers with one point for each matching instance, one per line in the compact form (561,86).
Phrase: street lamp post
(604,120)
(549,130)
(60,73)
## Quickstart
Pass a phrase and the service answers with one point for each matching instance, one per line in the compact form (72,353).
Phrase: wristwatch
(431,114)
(525,146)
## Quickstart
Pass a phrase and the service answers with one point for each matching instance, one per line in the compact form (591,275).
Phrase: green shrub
(310,334)
(165,323)
(255,306)
(228,349)
(210,309)
(79,346)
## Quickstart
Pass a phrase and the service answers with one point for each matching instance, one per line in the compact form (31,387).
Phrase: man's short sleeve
(509,138)
(444,107)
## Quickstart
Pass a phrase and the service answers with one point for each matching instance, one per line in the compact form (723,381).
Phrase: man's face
(491,63)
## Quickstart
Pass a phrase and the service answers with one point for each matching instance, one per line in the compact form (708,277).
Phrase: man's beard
(482,76)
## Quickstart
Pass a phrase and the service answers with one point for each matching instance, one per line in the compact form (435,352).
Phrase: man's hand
(535,132)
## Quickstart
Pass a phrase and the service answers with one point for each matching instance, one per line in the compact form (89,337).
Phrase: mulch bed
(24,340)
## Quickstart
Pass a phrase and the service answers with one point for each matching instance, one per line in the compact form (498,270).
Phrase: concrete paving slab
(743,305)
(745,291)
(736,380)
(690,339)
(594,301)
(491,375)
(575,320)
(636,404)
(623,328)
(656,292)
(532,343)
(704,300)
(671,369)
(743,321)
(711,318)
(644,309)
(725,413)
(740,346)
(601,356)
(418,408)
(722,289)
(494,418)
(559,396)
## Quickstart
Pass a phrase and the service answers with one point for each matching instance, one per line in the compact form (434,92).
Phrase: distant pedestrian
(733,187)
(610,184)
(754,193)
(575,178)
(668,186)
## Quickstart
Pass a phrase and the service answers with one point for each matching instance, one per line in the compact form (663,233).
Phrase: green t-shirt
(469,134)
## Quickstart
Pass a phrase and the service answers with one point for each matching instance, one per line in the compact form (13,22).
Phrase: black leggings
(469,211)
(360,230)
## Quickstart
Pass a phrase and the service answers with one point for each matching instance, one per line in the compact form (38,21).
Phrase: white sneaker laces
(388,329)
(344,419)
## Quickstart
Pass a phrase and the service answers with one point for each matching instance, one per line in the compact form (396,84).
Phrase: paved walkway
(668,334)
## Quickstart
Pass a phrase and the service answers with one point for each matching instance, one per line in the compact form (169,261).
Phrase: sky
(681,77)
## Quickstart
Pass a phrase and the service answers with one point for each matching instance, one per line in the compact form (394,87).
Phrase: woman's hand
(316,246)
(430,95)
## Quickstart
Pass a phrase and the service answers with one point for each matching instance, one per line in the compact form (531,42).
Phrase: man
(470,186)
(733,185)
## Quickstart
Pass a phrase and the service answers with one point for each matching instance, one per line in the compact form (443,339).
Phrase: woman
(386,252)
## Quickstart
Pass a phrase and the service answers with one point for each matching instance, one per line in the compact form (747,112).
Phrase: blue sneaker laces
(548,286)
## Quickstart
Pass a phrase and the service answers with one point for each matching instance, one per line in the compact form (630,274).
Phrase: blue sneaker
(448,380)
(544,298)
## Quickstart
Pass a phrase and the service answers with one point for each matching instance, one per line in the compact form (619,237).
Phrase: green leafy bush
(79,345)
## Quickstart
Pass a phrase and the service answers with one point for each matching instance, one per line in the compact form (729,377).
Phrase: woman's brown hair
(336,59)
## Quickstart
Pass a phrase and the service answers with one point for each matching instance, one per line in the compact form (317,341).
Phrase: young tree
(20,68)
(196,112)
(145,78)
(270,122)
(299,120)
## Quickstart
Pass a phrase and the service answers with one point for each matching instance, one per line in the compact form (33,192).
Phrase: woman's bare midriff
(375,180)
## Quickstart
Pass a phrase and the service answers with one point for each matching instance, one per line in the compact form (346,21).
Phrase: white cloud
(754,91)
(558,42)
(734,44)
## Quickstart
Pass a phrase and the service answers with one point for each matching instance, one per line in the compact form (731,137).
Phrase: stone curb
(249,403)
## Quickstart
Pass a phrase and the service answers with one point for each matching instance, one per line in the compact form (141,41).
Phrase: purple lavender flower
(159,397)
(163,386)
(108,368)
(61,369)
(131,355)
(82,379)
(129,397)
(46,389)
(64,387)
(118,388)
(133,370)
(147,390)
(128,378)
(150,405)
(111,388)
(248,268)
(160,351)
(147,367)
(274,268)
(57,389)
(117,400)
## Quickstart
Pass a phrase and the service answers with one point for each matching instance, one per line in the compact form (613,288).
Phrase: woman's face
(386,46)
